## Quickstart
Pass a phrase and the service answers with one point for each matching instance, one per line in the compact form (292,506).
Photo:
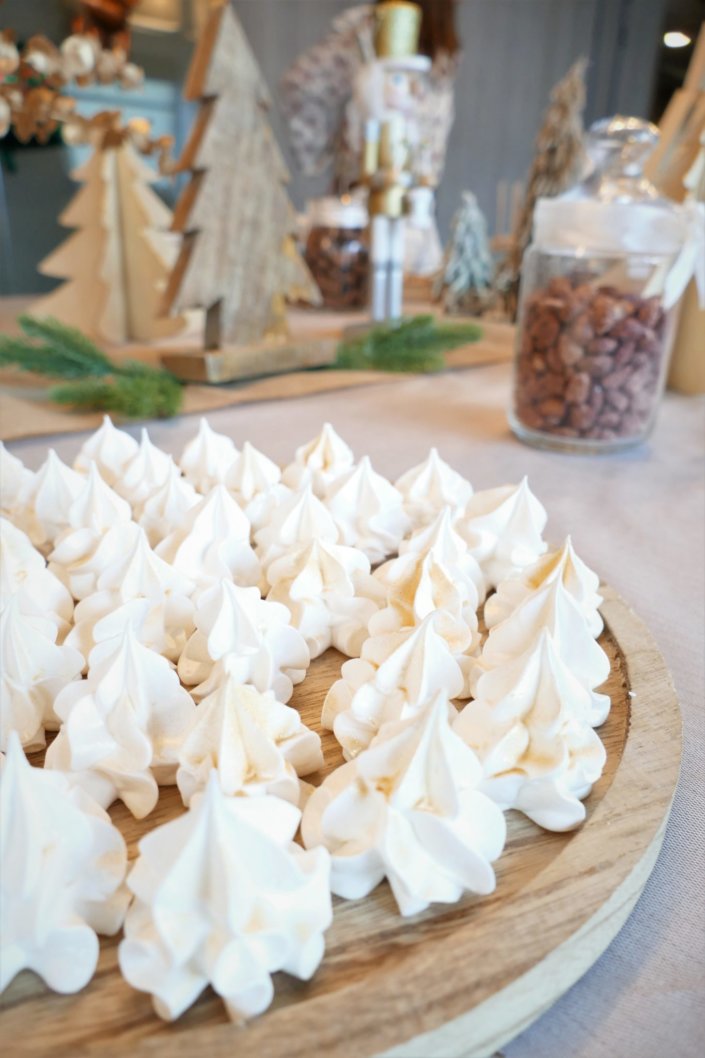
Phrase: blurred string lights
(675,39)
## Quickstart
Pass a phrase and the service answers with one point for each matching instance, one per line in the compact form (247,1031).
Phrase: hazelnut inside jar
(598,301)
(337,252)
(591,355)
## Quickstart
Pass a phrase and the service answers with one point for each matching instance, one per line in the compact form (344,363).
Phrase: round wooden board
(459,980)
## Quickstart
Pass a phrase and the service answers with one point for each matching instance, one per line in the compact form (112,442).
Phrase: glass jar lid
(618,148)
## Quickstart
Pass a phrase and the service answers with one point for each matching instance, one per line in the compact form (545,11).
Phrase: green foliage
(414,345)
(129,388)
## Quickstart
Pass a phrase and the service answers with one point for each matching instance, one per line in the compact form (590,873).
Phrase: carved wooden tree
(117,262)
(559,158)
(238,259)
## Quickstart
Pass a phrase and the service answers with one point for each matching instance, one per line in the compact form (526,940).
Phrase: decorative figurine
(386,93)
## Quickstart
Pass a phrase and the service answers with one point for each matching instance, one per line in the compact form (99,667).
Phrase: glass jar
(337,252)
(594,333)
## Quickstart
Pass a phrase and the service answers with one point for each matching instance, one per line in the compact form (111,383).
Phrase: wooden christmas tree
(117,261)
(238,259)
(559,157)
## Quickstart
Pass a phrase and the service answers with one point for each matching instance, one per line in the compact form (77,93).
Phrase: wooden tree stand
(272,356)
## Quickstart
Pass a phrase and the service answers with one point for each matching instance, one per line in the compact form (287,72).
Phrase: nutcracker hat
(396,37)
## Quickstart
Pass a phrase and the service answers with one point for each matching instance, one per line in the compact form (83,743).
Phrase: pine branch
(69,345)
(415,345)
(94,381)
(139,396)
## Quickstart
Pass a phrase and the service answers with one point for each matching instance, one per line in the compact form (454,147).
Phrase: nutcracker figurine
(387,91)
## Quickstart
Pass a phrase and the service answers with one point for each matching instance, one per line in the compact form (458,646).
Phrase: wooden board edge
(566,950)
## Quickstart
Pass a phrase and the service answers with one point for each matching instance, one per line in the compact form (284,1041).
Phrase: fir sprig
(94,381)
(414,345)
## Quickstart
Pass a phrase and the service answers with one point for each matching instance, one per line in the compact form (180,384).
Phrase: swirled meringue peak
(123,726)
(33,669)
(578,579)
(62,867)
(139,588)
(23,568)
(145,473)
(414,586)
(15,484)
(111,449)
(298,519)
(431,486)
(223,897)
(240,633)
(396,676)
(213,543)
(369,512)
(165,509)
(409,809)
(49,500)
(317,582)
(532,727)
(440,539)
(254,480)
(503,528)
(207,458)
(319,462)
(256,744)
(96,512)
(554,608)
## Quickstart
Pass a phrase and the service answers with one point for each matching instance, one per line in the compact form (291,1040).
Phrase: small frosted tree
(465,281)
(238,259)
(115,265)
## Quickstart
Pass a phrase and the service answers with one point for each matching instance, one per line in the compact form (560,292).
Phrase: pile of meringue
(157,615)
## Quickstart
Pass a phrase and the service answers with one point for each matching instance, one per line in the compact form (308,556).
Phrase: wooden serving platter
(459,980)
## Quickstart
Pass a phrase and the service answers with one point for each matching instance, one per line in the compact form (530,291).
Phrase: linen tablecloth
(638,519)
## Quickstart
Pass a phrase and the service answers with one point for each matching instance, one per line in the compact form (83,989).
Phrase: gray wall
(514,51)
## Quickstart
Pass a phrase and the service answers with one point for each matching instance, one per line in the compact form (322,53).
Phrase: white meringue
(97,511)
(111,449)
(165,509)
(145,473)
(123,727)
(23,568)
(49,499)
(254,481)
(238,632)
(369,512)
(62,866)
(409,808)
(140,589)
(207,458)
(15,484)
(33,669)
(319,462)
(578,579)
(224,898)
(440,539)
(554,608)
(317,583)
(396,676)
(256,745)
(213,543)
(503,528)
(413,586)
(531,725)
(298,519)
(431,486)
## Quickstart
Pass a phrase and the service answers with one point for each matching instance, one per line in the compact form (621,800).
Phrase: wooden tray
(459,980)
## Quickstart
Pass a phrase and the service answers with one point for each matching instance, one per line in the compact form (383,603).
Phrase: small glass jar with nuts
(337,251)
(594,327)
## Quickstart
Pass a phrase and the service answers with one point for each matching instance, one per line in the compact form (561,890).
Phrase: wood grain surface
(453,981)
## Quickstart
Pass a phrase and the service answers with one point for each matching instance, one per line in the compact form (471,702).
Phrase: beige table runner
(25,410)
